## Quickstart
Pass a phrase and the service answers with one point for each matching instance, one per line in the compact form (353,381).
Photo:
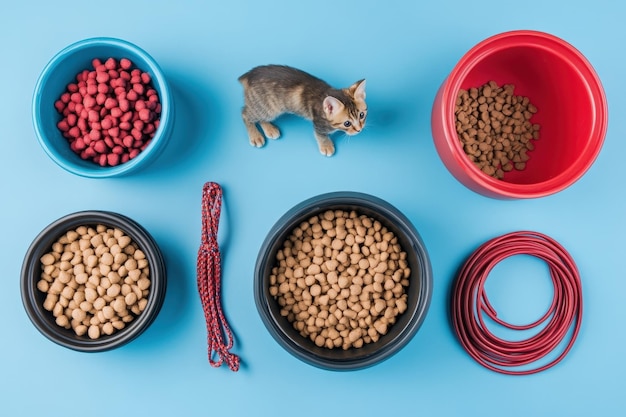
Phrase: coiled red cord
(470,303)
(209,275)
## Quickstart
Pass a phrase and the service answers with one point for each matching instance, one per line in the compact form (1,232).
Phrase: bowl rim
(315,205)
(160,83)
(556,46)
(41,318)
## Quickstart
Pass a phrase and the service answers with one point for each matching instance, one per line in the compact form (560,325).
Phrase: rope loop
(470,304)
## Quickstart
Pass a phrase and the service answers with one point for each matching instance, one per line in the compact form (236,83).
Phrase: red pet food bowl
(559,81)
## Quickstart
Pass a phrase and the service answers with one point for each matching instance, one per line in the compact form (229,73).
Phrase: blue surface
(404,50)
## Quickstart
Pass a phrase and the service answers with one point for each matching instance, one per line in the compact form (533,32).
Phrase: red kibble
(99,146)
(89,101)
(89,152)
(109,103)
(109,141)
(127,117)
(145,78)
(71,119)
(136,134)
(92,89)
(128,141)
(100,99)
(103,88)
(144,114)
(123,103)
(110,112)
(106,123)
(149,129)
(132,95)
(116,112)
(74,132)
(79,144)
(102,77)
(113,159)
(102,160)
(110,64)
(125,63)
(93,116)
(94,134)
(119,90)
(138,88)
(63,125)
(81,124)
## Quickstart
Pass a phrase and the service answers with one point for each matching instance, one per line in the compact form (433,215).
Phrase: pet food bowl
(61,71)
(559,81)
(33,298)
(399,334)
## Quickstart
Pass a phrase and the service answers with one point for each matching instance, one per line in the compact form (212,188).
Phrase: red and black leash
(219,336)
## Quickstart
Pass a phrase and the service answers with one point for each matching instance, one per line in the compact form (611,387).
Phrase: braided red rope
(470,302)
(209,274)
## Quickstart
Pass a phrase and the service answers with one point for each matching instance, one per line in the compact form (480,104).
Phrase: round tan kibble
(339,278)
(83,277)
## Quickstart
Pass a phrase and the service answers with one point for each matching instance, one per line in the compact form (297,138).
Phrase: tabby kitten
(272,90)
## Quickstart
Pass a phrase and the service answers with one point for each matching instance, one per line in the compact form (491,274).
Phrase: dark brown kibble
(494,126)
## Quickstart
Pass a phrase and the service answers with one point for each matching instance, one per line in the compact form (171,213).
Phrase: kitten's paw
(327,148)
(270,130)
(257,140)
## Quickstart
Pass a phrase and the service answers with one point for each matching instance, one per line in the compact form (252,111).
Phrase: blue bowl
(62,70)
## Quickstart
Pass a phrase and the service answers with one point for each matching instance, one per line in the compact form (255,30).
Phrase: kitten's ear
(332,106)
(358,90)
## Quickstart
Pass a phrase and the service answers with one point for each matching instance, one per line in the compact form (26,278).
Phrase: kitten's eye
(347,123)
(361,115)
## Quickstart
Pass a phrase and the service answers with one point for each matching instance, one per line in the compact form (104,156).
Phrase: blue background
(404,49)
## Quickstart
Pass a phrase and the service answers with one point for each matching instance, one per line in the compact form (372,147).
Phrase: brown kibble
(335,274)
(493,118)
(83,279)
(93,332)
